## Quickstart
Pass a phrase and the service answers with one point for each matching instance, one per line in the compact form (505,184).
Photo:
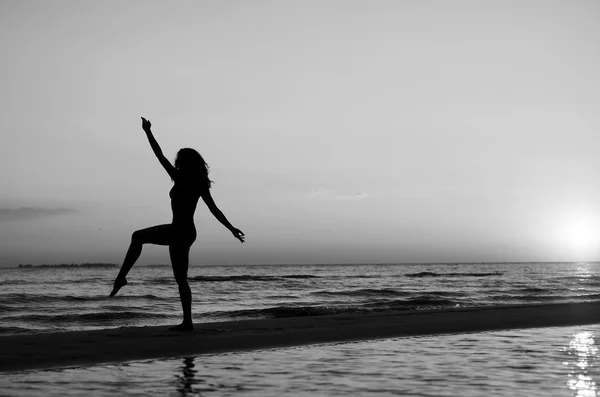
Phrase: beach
(81,348)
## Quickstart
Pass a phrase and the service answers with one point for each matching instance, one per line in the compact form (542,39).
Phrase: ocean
(62,298)
(554,361)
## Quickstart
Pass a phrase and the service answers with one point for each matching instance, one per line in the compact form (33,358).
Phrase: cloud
(26,213)
(332,194)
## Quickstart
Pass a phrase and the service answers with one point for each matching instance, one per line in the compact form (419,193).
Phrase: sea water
(558,361)
(535,362)
(62,298)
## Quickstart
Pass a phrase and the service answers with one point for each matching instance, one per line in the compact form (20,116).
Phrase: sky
(336,131)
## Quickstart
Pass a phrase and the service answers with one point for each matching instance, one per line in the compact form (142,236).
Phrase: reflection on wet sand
(582,356)
(186,381)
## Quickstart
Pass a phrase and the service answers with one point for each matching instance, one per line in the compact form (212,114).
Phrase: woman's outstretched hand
(146,125)
(237,233)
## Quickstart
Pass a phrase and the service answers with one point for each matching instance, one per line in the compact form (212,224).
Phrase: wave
(434,274)
(533,289)
(14,330)
(364,292)
(86,318)
(250,277)
(422,302)
(587,297)
(245,277)
(527,298)
(50,283)
(589,280)
(23,298)
(15,282)
(387,292)
(231,278)
(285,297)
(68,265)
(283,311)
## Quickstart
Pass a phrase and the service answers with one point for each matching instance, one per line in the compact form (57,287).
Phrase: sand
(81,348)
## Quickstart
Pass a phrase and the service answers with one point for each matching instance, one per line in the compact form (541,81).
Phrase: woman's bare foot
(184,326)
(119,283)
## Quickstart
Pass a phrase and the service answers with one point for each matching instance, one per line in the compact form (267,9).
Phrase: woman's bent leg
(180,263)
(160,235)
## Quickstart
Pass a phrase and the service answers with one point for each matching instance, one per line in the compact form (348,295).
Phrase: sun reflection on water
(583,354)
(584,271)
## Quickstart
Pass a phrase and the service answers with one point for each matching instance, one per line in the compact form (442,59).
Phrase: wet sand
(79,348)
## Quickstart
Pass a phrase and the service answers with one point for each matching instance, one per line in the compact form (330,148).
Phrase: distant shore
(80,348)
(30,265)
(85,265)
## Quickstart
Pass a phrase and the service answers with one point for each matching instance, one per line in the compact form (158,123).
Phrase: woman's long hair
(190,164)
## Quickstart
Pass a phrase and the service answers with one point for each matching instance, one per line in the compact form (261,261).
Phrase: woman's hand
(237,233)
(146,125)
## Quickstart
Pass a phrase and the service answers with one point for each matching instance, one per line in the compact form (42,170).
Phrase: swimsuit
(183,204)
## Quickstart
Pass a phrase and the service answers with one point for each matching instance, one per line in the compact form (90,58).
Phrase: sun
(581,234)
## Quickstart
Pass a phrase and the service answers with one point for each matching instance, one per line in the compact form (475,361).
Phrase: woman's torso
(184,199)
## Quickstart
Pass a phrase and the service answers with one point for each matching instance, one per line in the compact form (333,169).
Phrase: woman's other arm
(210,203)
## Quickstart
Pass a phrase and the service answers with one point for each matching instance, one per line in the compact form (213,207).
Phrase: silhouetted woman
(190,178)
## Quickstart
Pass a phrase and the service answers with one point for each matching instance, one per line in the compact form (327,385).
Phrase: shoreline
(83,348)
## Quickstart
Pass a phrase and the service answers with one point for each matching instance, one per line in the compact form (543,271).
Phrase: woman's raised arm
(146,126)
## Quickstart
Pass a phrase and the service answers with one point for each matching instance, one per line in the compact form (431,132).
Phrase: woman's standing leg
(180,263)
(159,235)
